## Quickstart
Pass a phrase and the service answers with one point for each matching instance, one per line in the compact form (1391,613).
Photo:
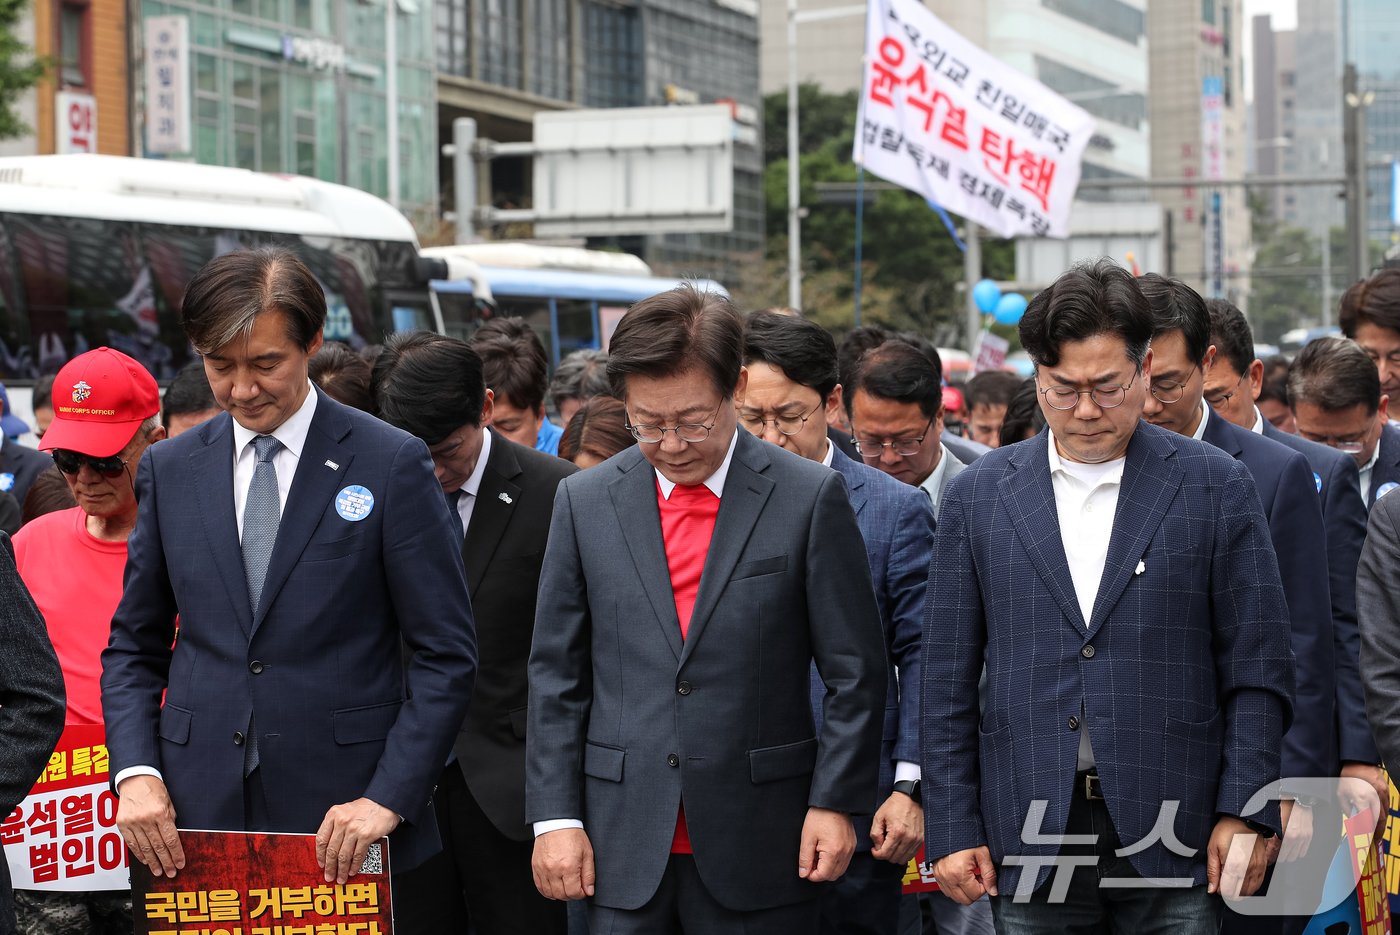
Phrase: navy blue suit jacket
(896,522)
(1338,483)
(1387,469)
(1288,494)
(338,715)
(22,464)
(1187,691)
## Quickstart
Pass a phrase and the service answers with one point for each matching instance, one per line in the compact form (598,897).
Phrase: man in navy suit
(1234,382)
(1337,398)
(1181,356)
(301,544)
(1118,583)
(791,395)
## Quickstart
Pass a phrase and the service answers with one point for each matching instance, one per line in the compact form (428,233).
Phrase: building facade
(503,61)
(81,107)
(299,86)
(1372,41)
(1197,112)
(1274,135)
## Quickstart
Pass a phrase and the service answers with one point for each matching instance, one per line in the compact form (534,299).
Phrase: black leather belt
(1087,784)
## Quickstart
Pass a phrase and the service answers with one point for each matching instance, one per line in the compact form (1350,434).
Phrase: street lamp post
(1355,103)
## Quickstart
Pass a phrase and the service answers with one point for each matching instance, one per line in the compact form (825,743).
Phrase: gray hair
(581,375)
(1334,373)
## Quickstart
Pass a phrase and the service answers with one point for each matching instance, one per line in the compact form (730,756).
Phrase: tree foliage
(19,69)
(912,269)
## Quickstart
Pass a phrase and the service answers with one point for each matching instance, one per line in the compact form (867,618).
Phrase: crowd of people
(756,618)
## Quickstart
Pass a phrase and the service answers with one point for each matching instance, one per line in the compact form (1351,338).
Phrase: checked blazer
(1183,676)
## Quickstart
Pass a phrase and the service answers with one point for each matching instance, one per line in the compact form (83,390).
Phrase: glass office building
(501,61)
(298,86)
(1372,35)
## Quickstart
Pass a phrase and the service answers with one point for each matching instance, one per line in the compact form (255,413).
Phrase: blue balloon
(1010,308)
(986,294)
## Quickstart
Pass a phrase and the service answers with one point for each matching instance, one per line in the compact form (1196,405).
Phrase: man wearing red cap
(105,417)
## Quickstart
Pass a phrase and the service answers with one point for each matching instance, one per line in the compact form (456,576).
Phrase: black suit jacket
(503,552)
(31,703)
(24,464)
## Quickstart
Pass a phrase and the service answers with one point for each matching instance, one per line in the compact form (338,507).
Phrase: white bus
(572,297)
(96,250)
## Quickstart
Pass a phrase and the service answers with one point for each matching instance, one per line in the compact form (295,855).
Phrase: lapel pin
(504,497)
(1142,566)
(332,465)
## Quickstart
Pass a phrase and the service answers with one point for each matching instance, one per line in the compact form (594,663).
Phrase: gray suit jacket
(31,702)
(1378,610)
(626,719)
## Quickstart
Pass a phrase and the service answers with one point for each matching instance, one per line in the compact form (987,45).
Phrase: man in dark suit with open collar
(673,769)
(431,386)
(301,543)
(1118,583)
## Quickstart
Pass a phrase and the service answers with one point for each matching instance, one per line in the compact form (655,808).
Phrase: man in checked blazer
(1118,583)
(674,774)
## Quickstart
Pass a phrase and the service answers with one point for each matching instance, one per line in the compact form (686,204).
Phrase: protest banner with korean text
(63,837)
(261,884)
(941,117)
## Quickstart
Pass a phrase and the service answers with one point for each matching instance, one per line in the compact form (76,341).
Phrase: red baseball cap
(100,399)
(952,399)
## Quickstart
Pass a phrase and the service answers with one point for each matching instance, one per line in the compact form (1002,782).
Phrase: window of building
(74,56)
(453,37)
(612,55)
(1113,17)
(1208,12)
(551,65)
(500,27)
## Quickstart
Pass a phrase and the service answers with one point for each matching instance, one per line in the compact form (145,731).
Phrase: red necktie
(687,525)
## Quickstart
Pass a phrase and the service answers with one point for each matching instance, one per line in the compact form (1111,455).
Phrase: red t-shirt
(76,581)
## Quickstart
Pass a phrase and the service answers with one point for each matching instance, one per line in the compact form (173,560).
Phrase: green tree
(19,69)
(912,270)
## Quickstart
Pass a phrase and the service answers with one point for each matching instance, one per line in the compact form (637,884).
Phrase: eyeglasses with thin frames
(1167,392)
(872,450)
(1220,400)
(691,433)
(786,425)
(1107,396)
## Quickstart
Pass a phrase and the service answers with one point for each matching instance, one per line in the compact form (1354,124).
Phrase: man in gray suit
(674,774)
(895,399)
(1378,611)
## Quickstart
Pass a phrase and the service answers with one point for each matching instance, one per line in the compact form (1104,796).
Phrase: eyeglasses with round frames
(872,450)
(1350,445)
(1167,392)
(71,462)
(1220,400)
(691,433)
(786,425)
(1107,396)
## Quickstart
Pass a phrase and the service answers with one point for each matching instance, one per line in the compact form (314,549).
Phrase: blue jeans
(1090,908)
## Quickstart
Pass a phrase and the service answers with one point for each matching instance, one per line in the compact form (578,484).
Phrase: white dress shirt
(1200,433)
(933,484)
(292,435)
(1366,473)
(716,484)
(1258,427)
(467,501)
(1086,500)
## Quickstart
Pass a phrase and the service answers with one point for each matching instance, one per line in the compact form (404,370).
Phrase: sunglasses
(70,462)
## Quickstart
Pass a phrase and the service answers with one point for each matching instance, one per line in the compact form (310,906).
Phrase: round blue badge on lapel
(7,482)
(1317,479)
(354,503)
(1386,488)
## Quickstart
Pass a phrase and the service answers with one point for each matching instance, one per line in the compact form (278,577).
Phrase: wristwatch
(909,787)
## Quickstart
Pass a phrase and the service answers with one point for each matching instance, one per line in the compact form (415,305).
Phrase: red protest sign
(261,884)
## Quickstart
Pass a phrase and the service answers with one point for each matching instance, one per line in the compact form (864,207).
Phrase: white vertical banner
(76,123)
(168,84)
(943,118)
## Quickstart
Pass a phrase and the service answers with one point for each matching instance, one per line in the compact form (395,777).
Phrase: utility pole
(972,274)
(1354,104)
(794,192)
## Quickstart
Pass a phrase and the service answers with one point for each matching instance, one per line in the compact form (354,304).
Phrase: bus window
(575,325)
